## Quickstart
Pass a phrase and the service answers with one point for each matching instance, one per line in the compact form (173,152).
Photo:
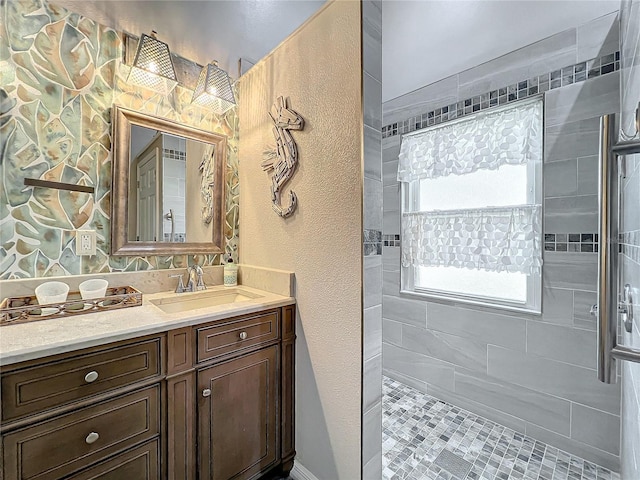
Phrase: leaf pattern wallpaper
(60,74)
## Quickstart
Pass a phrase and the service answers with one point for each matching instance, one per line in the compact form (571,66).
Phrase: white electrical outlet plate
(85,242)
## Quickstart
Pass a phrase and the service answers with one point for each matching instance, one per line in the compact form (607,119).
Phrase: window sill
(454,300)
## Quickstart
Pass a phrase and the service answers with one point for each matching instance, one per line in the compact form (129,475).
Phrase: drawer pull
(91,376)
(92,437)
(206,392)
(243,335)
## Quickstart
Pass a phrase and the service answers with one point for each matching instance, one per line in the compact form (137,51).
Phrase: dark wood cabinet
(237,334)
(244,375)
(287,388)
(72,415)
(38,386)
(67,443)
(210,402)
(181,405)
(140,463)
(237,416)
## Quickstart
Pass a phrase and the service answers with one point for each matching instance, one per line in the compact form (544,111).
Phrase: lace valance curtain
(512,136)
(494,239)
(497,239)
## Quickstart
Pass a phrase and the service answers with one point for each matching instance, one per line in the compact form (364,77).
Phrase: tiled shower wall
(174,173)
(630,95)
(533,373)
(630,53)
(372,241)
(60,74)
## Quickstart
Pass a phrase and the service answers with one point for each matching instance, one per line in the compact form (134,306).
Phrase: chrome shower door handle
(607,307)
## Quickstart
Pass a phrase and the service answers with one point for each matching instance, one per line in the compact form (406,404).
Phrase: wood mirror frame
(123,119)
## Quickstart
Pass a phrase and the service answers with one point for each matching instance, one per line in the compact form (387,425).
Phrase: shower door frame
(609,305)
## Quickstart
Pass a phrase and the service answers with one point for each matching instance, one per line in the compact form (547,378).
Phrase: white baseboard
(298,472)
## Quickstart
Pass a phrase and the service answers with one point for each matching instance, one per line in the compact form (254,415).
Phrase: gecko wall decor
(283,158)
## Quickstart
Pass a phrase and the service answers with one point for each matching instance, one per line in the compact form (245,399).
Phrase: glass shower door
(617,327)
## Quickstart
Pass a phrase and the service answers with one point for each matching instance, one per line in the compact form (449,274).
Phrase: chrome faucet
(180,287)
(195,282)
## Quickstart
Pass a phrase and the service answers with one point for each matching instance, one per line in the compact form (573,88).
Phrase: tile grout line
(444,426)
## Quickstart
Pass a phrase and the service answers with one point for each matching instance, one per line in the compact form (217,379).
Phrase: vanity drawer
(235,334)
(56,382)
(141,463)
(58,447)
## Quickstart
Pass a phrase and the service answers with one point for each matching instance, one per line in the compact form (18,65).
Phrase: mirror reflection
(168,187)
(171,182)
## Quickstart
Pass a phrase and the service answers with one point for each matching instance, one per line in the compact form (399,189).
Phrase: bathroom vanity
(206,393)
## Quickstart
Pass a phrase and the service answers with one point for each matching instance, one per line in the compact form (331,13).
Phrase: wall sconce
(213,89)
(153,67)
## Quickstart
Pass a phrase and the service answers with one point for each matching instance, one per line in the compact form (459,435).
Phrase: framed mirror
(168,187)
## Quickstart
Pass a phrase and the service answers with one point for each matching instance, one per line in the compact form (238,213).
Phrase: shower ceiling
(426,41)
(223,30)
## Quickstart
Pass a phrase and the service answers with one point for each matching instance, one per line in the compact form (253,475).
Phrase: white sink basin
(183,302)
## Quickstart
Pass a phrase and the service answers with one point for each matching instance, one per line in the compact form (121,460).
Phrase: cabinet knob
(243,335)
(92,437)
(206,392)
(91,376)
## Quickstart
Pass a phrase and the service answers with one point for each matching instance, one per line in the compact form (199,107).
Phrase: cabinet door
(237,416)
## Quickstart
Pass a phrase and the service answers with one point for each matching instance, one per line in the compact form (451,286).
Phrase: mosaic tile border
(569,75)
(630,245)
(174,154)
(391,240)
(418,430)
(372,242)
(553,242)
(631,238)
(571,242)
(177,237)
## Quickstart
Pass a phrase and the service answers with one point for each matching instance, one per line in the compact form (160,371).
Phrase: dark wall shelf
(34,182)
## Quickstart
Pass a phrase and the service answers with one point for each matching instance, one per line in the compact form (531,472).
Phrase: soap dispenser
(230,273)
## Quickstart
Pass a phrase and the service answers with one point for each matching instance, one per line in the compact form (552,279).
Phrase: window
(471,213)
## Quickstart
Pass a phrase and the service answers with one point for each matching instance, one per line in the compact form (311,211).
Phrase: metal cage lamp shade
(153,67)
(213,89)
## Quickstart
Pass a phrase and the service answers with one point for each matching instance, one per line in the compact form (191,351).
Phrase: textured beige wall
(319,69)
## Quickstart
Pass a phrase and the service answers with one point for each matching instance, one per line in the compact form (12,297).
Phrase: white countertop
(43,338)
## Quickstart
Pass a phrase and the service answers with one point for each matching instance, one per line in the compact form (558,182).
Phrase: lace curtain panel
(494,239)
(512,136)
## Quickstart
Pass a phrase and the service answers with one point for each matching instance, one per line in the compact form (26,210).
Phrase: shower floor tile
(417,427)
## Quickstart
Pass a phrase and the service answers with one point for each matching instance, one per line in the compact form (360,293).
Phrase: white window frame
(409,200)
